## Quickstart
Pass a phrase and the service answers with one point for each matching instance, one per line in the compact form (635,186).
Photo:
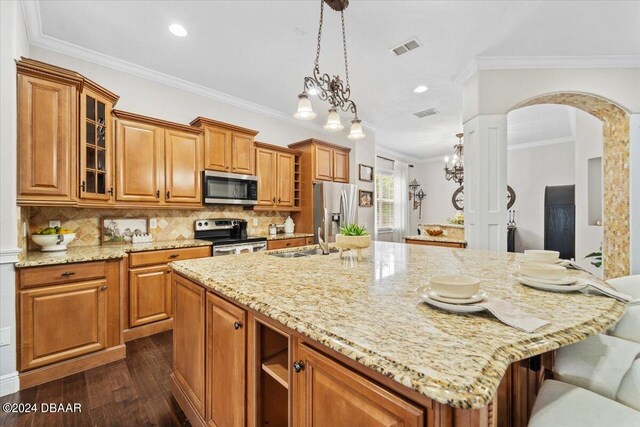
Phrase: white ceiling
(259,51)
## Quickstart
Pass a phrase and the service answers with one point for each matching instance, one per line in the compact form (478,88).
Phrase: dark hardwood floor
(130,392)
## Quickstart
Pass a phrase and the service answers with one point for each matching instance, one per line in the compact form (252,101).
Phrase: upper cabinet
(227,148)
(277,171)
(47,133)
(328,162)
(96,145)
(158,162)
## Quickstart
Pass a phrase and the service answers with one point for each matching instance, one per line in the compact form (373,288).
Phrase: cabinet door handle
(298,365)
(288,244)
(103,288)
(274,200)
(172,256)
(158,194)
(68,273)
(110,191)
(83,186)
(168,194)
(237,325)
(279,200)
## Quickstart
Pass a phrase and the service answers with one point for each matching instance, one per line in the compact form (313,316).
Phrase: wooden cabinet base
(73,366)
(146,330)
(189,410)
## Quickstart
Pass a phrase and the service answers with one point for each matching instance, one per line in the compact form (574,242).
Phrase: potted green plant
(353,236)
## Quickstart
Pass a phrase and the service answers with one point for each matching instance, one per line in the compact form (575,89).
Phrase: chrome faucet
(323,232)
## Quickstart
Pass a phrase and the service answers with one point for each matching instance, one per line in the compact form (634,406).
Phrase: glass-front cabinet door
(96,147)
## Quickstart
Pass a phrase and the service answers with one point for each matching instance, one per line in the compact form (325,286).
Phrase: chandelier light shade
(454,169)
(356,130)
(305,111)
(333,121)
(330,89)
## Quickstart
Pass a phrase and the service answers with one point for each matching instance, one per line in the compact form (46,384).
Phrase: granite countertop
(98,253)
(369,312)
(283,236)
(440,238)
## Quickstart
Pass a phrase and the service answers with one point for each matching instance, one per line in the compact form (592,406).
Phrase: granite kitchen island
(361,325)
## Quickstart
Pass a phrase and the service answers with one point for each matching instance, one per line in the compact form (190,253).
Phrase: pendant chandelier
(454,167)
(333,90)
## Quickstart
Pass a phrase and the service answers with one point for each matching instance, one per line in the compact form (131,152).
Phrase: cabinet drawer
(56,274)
(286,243)
(164,256)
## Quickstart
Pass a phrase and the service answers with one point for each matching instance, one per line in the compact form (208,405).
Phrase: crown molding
(37,38)
(549,62)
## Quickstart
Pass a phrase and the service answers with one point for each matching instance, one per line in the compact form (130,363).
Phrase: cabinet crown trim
(203,121)
(313,141)
(280,148)
(125,115)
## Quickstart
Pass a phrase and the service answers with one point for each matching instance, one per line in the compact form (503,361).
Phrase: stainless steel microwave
(221,188)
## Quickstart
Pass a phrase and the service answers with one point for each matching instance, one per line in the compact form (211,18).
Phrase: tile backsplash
(172,224)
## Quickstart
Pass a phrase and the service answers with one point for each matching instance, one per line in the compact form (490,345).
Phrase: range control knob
(206,223)
(199,224)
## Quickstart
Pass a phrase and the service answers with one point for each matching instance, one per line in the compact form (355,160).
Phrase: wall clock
(458,198)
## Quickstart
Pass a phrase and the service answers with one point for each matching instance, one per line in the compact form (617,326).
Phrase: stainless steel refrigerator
(335,205)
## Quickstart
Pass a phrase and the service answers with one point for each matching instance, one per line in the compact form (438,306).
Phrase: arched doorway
(616,178)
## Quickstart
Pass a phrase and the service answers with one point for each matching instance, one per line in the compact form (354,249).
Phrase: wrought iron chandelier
(454,167)
(333,90)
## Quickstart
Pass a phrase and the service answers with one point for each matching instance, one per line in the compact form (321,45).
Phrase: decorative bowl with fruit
(53,239)
(434,231)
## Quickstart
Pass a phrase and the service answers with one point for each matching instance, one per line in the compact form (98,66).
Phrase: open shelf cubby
(273,379)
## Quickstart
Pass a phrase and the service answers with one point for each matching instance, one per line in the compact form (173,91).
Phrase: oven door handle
(225,250)
(260,246)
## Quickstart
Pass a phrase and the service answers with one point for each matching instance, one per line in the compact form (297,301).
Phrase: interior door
(182,167)
(217,149)
(226,362)
(140,162)
(62,322)
(242,153)
(266,173)
(284,179)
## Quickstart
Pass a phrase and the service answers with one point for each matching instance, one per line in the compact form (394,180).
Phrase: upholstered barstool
(628,327)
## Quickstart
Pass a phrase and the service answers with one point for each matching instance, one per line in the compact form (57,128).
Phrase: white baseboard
(9,383)
(9,256)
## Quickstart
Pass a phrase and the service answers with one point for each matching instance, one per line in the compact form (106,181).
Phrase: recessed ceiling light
(420,89)
(177,30)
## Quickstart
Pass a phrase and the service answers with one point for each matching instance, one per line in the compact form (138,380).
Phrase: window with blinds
(384,199)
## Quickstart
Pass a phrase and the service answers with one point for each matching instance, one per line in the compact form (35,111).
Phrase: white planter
(353,242)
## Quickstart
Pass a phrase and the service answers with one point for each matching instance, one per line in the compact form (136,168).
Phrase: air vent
(406,47)
(426,113)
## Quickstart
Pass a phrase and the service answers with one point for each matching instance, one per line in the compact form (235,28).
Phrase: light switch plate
(5,336)
(153,223)
(53,224)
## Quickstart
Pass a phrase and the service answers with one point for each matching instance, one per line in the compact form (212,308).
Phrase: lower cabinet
(150,308)
(289,243)
(233,367)
(329,394)
(226,362)
(68,319)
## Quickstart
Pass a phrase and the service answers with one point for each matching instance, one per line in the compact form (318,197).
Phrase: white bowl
(541,255)
(53,242)
(543,271)
(455,286)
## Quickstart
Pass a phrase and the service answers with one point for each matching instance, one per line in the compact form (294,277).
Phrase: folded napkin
(603,289)
(508,314)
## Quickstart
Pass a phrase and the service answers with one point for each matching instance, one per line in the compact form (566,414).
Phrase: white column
(485,182)
(634,170)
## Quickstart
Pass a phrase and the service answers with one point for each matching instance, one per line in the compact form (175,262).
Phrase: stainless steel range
(229,236)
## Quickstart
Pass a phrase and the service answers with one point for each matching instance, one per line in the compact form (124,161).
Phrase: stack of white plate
(453,293)
(540,269)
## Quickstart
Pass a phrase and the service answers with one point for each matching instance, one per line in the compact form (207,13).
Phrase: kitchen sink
(290,254)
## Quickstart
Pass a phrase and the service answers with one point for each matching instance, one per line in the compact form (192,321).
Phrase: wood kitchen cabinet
(318,161)
(276,172)
(289,243)
(150,290)
(327,393)
(68,319)
(47,133)
(96,174)
(158,162)
(227,148)
(225,362)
